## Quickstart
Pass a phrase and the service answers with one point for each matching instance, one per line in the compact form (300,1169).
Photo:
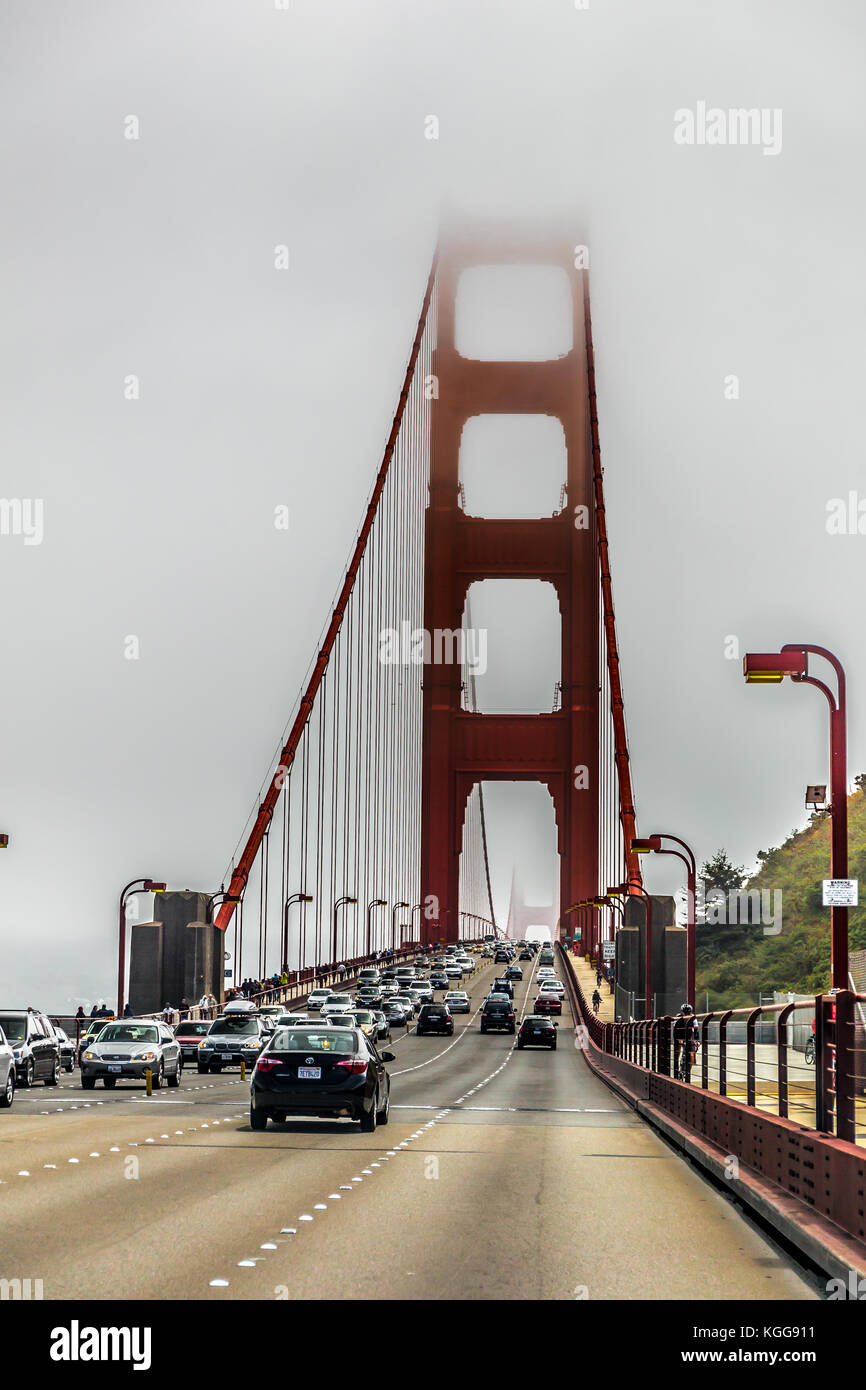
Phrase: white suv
(317,998)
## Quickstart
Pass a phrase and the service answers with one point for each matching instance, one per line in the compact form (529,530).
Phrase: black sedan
(439,980)
(537,1031)
(514,972)
(434,1018)
(396,1014)
(325,1072)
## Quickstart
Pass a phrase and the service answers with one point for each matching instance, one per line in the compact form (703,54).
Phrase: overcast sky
(154,257)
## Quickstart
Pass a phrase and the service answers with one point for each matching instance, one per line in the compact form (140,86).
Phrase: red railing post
(782,1058)
(845,1066)
(705,1055)
(723,1052)
(823,1064)
(750,1055)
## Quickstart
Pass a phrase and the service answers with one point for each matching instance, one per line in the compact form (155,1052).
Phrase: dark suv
(497,1012)
(434,1018)
(34,1044)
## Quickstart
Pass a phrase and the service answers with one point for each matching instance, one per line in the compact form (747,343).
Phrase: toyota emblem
(308,1060)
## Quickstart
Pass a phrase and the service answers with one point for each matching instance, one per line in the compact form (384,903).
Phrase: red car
(548,1004)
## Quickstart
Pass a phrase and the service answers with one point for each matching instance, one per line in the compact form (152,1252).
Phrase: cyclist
(686,1032)
(596,1000)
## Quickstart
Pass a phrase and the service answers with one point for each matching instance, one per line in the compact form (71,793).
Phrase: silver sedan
(129,1048)
(7,1073)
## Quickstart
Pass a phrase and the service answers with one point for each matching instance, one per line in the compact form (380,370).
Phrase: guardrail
(743,1097)
(303,983)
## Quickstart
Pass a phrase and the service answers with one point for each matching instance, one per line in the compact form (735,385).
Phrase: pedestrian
(184,1007)
(94,1012)
(128,1011)
(168,1014)
(284,978)
(598,975)
(80,1013)
(341,971)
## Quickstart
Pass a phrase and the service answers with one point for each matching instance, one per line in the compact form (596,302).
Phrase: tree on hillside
(721,874)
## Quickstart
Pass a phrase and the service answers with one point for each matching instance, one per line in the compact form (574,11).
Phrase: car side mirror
(387,1056)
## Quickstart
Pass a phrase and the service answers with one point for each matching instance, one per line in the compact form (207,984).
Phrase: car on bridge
(363,1019)
(189,1034)
(369,976)
(548,1004)
(453,971)
(553,986)
(67,1047)
(238,1035)
(127,1049)
(502,985)
(34,1045)
(409,1004)
(525,954)
(514,972)
(383,1026)
(7,1073)
(336,1004)
(438,980)
(324,1073)
(537,1030)
(369,996)
(545,972)
(316,998)
(395,1013)
(457,1001)
(422,991)
(497,1011)
(434,1018)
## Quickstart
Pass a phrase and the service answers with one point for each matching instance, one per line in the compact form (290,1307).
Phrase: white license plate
(225,1056)
(113,1068)
(309,1073)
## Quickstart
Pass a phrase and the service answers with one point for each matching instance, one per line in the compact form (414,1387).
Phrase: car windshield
(14,1028)
(338,1001)
(313,1040)
(233,1025)
(319,993)
(129,1033)
(363,1016)
(195,1030)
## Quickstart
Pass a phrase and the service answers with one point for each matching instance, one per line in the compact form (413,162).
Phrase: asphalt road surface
(502,1174)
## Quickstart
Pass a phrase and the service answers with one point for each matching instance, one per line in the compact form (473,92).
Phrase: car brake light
(355,1068)
(268,1063)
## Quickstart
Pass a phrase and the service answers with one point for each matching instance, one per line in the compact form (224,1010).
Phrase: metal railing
(800,1061)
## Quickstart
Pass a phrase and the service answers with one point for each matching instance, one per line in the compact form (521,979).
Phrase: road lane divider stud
(148,1081)
(243,1070)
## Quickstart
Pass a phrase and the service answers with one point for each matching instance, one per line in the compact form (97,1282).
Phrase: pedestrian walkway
(586,978)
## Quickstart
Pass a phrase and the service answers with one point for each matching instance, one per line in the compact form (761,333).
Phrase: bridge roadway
(502,1174)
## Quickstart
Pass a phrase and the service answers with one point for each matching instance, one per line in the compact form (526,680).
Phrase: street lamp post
(771,668)
(295,898)
(140,885)
(394,911)
(368,944)
(635,890)
(337,905)
(653,844)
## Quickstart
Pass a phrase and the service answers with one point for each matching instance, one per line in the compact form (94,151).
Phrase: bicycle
(810,1052)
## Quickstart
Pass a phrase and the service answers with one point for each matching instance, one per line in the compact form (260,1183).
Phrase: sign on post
(608,949)
(839,892)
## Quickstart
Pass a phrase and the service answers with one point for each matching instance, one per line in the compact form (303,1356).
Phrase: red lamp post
(771,668)
(653,844)
(141,885)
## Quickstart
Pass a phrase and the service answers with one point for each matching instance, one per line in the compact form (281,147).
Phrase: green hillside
(736,963)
